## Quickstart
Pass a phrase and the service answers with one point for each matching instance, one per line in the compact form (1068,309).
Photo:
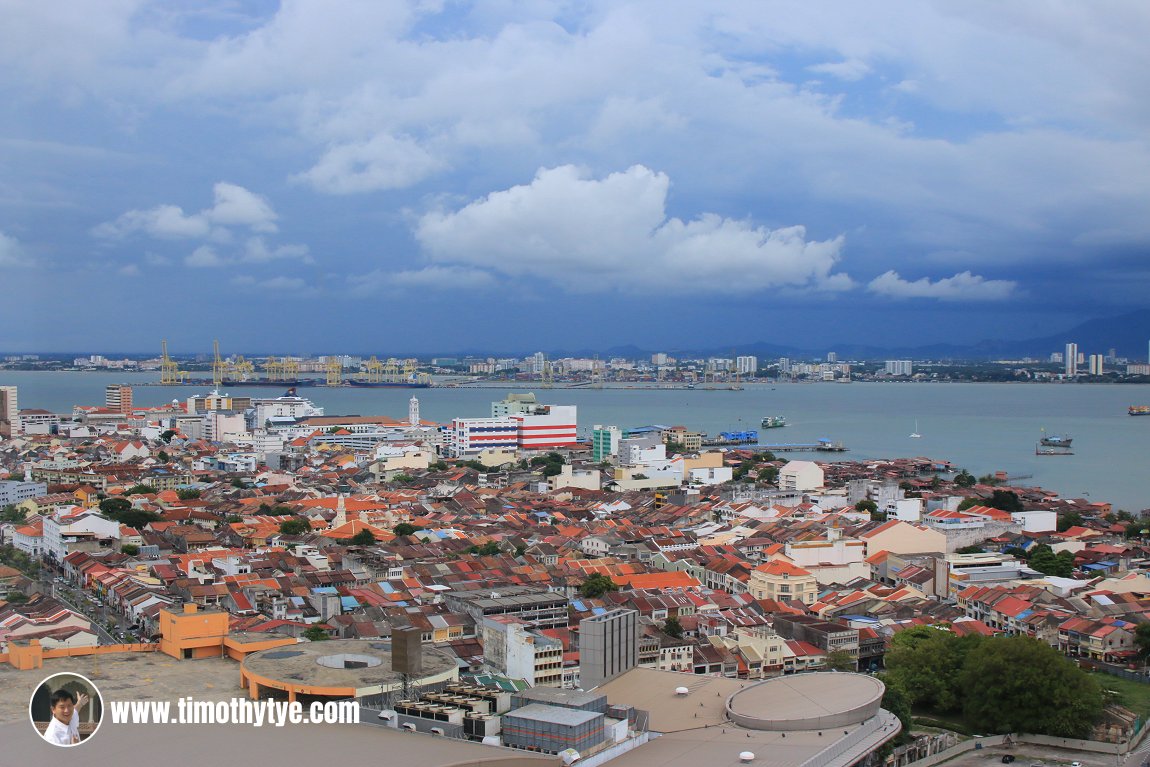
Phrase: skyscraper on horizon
(1071,359)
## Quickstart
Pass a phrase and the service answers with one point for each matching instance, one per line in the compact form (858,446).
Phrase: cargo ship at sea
(360,384)
(1139,410)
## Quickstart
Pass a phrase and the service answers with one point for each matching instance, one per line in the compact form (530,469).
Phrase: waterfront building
(1096,364)
(469,436)
(1071,360)
(118,397)
(747,365)
(898,368)
(9,413)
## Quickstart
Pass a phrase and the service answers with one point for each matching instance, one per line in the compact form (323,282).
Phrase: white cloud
(850,70)
(599,235)
(162,221)
(442,279)
(11,251)
(382,162)
(204,257)
(280,284)
(256,250)
(963,286)
(236,206)
(233,206)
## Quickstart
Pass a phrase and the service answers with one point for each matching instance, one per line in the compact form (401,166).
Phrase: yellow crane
(170,373)
(241,369)
(374,369)
(219,367)
(273,368)
(334,370)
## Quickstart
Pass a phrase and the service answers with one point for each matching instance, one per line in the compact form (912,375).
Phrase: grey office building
(608,646)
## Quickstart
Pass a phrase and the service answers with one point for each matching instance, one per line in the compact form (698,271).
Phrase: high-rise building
(832,357)
(118,397)
(9,413)
(1071,359)
(605,442)
(747,365)
(413,411)
(898,368)
(608,646)
(1095,364)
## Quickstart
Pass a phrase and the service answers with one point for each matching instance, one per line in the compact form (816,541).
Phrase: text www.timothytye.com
(273,713)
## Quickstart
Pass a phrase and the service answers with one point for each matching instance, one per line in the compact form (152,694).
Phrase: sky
(435,176)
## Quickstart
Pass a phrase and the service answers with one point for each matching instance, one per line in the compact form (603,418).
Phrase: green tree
(673,628)
(1142,640)
(12,514)
(1020,684)
(137,518)
(239,484)
(974,549)
(140,489)
(1006,500)
(438,466)
(315,634)
(166,437)
(867,506)
(969,503)
(896,701)
(1068,520)
(1137,528)
(294,526)
(130,549)
(401,479)
(363,538)
(926,663)
(188,493)
(114,507)
(841,660)
(163,457)
(596,585)
(964,479)
(489,549)
(405,528)
(16,596)
(768,475)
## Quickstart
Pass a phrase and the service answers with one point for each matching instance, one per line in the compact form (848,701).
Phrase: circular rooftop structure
(338,668)
(813,701)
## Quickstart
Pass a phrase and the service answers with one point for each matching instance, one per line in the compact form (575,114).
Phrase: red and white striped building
(548,427)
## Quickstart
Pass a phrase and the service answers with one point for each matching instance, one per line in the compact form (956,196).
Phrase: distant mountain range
(1127,334)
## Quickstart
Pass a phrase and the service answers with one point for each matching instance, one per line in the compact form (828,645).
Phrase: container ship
(1139,410)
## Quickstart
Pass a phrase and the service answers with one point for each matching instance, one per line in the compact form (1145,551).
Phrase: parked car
(1007,758)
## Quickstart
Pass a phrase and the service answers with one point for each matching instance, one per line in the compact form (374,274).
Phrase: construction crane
(170,373)
(219,367)
(334,369)
(374,369)
(274,368)
(241,369)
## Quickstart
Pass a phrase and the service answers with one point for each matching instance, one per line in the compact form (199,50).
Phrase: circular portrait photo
(66,709)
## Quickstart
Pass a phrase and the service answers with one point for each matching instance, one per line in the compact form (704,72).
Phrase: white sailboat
(915,434)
